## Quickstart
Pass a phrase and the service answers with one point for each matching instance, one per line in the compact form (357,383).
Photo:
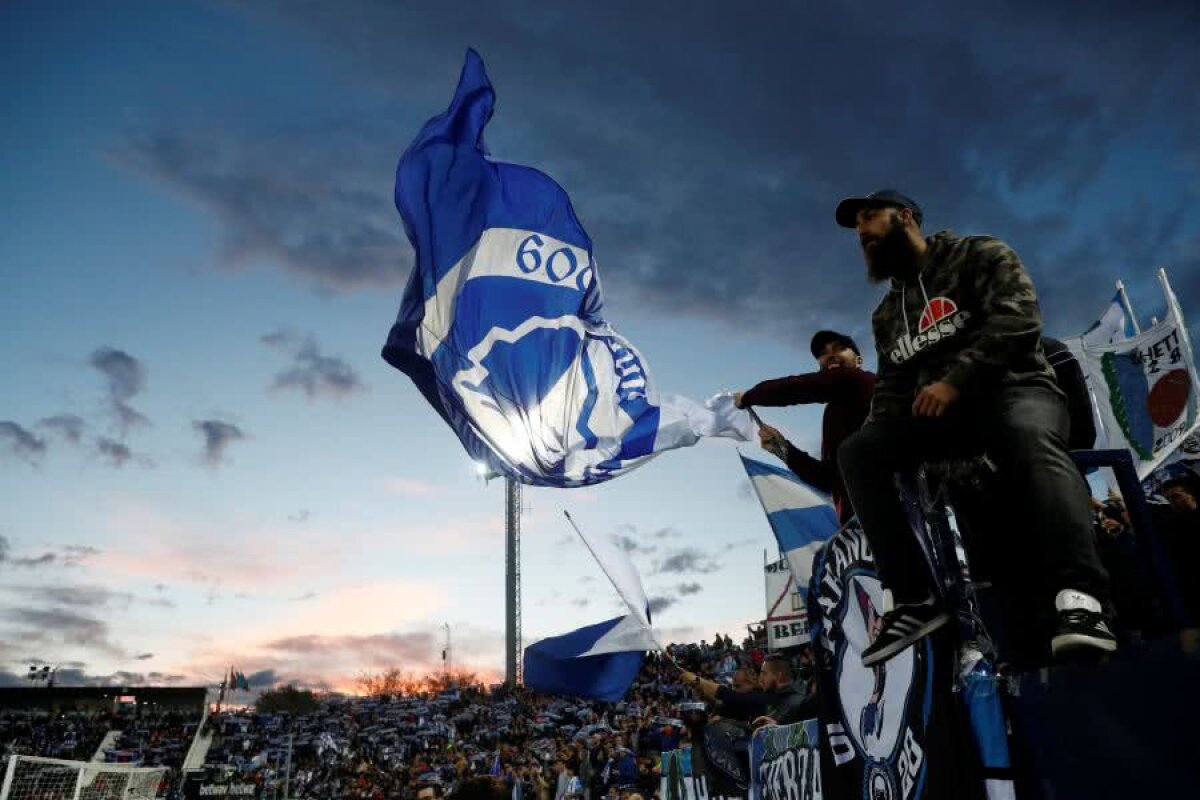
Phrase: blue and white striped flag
(801,517)
(500,325)
(596,661)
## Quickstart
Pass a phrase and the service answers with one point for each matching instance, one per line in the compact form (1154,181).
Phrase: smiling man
(961,372)
(844,387)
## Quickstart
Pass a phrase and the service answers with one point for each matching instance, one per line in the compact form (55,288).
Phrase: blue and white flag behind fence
(801,517)
(500,324)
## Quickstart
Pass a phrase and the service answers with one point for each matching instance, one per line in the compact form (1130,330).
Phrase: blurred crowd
(539,747)
(1143,603)
(72,735)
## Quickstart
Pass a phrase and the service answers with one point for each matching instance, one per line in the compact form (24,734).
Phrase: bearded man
(962,372)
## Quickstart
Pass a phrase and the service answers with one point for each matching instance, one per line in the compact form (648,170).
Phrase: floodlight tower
(512,582)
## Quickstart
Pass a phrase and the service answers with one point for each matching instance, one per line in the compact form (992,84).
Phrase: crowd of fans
(72,735)
(152,737)
(1145,606)
(540,747)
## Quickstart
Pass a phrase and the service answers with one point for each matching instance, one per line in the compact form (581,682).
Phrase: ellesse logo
(938,309)
(941,319)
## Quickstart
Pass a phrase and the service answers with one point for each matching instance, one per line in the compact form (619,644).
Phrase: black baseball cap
(847,210)
(822,338)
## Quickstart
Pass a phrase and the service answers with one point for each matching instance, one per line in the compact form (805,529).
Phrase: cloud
(21,442)
(262,679)
(687,559)
(144,656)
(303,597)
(126,377)
(581,602)
(50,627)
(35,561)
(310,372)
(68,426)
(116,452)
(300,516)
(304,198)
(993,134)
(378,649)
(75,555)
(79,676)
(84,596)
(661,603)
(217,436)
(630,545)
(686,589)
(667,533)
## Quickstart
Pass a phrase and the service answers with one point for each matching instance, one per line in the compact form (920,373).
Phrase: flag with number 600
(500,324)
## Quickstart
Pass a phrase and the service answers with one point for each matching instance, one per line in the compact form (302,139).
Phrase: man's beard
(892,255)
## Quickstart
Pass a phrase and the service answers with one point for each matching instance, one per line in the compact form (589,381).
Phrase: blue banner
(785,762)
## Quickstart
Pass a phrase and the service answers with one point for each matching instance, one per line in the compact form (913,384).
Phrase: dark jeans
(1024,431)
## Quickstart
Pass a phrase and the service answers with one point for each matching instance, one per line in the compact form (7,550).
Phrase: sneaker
(902,626)
(1081,625)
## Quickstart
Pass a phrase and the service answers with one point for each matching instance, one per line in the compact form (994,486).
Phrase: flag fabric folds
(801,517)
(596,661)
(1114,325)
(501,326)
(614,561)
(1146,388)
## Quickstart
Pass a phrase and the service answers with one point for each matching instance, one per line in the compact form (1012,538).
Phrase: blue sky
(197,237)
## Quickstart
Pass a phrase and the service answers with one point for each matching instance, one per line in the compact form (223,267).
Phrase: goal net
(34,778)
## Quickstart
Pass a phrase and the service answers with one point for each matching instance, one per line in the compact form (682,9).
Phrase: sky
(205,461)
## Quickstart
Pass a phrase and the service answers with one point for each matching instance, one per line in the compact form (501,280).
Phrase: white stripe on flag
(780,494)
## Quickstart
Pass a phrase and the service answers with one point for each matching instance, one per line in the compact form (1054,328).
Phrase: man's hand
(773,442)
(934,400)
(688,678)
(761,721)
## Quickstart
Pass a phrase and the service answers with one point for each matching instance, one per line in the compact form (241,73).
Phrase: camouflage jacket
(970,319)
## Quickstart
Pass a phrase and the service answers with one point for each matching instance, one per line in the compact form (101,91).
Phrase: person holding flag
(844,387)
(961,372)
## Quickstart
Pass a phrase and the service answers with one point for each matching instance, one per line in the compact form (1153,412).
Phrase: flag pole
(639,613)
(1128,308)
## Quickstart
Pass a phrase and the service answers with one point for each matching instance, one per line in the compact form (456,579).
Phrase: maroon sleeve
(812,387)
(814,472)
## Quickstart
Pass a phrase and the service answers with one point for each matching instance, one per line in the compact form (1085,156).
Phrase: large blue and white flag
(597,661)
(501,324)
(801,517)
